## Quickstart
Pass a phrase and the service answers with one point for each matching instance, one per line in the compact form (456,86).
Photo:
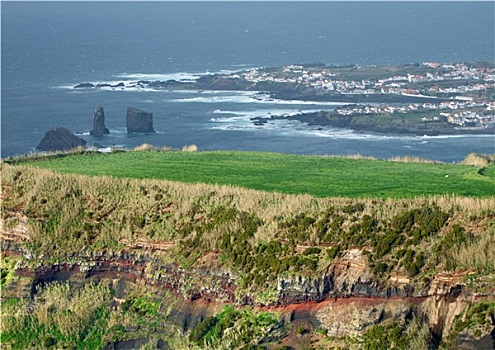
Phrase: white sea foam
(180,76)
(118,131)
(247,97)
(454,136)
(219,111)
(64,86)
(241,121)
(244,117)
(161,77)
(221,97)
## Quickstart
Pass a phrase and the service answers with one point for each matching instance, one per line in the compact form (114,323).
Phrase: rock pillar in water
(139,121)
(99,128)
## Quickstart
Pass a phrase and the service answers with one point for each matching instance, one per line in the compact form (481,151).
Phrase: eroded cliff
(177,254)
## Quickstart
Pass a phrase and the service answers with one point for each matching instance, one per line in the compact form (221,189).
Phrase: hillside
(230,267)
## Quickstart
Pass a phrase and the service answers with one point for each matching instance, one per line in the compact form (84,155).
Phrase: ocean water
(48,47)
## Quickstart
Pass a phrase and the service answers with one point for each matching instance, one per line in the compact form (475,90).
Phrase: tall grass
(59,315)
(411,159)
(478,160)
(82,211)
(478,254)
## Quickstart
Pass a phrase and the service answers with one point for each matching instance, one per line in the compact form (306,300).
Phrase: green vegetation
(241,327)
(7,270)
(476,321)
(260,235)
(257,238)
(58,317)
(75,315)
(413,334)
(291,174)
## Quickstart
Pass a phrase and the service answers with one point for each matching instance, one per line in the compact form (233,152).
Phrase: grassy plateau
(290,174)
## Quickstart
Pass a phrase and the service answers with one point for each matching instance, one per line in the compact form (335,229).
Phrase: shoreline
(430,99)
(320,120)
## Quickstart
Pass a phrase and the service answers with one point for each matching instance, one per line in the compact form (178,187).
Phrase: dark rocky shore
(377,124)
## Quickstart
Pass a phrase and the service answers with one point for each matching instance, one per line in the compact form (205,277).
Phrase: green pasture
(292,174)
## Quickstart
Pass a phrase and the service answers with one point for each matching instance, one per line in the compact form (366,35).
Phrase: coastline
(430,99)
(324,119)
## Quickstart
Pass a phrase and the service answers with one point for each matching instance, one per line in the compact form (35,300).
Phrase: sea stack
(60,139)
(99,128)
(139,121)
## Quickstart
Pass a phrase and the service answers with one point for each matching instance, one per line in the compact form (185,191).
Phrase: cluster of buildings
(469,119)
(465,114)
(326,79)
(461,110)
(411,107)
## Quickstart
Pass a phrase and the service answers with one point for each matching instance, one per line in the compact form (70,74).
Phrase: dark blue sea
(48,47)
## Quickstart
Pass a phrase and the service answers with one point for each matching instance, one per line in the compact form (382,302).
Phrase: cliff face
(349,301)
(347,277)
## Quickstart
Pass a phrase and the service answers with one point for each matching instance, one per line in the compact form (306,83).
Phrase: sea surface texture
(48,47)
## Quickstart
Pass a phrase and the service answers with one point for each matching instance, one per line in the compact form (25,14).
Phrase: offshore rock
(60,139)
(84,85)
(139,121)
(99,128)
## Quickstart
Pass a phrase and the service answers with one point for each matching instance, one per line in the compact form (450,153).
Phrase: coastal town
(435,98)
(465,93)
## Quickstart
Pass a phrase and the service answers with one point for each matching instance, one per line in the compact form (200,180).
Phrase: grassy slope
(318,176)
(69,214)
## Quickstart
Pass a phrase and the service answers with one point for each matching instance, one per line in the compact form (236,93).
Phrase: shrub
(202,328)
(145,147)
(189,148)
(333,252)
(476,160)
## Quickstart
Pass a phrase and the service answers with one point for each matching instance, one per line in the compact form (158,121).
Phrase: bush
(333,252)
(202,328)
(189,148)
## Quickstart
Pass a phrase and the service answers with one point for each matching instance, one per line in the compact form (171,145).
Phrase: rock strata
(60,139)
(99,128)
(139,121)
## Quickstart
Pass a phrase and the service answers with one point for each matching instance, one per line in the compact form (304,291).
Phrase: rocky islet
(62,139)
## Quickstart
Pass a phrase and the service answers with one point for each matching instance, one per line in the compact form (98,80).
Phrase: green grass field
(292,174)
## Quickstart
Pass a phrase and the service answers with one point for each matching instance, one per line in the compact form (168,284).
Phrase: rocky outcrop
(60,139)
(139,121)
(343,308)
(99,128)
(84,86)
(349,299)
(351,317)
(131,265)
(346,277)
